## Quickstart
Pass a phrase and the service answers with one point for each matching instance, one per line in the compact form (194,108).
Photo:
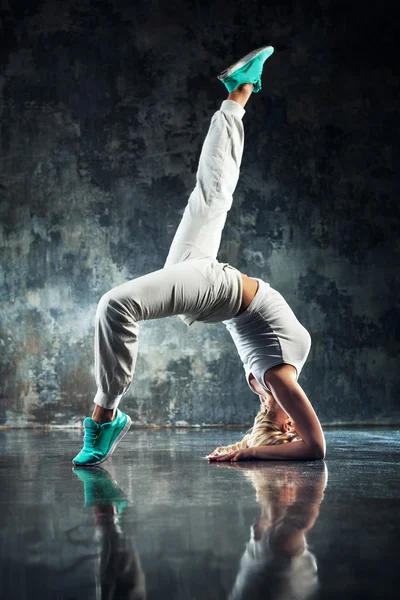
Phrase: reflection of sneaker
(247,70)
(100,440)
(100,488)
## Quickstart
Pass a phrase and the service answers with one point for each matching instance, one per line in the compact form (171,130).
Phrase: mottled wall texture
(104,107)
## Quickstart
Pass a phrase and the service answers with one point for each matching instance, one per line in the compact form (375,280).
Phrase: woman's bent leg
(179,289)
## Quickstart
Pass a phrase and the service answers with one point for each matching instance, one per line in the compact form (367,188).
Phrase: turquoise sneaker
(247,70)
(100,489)
(100,440)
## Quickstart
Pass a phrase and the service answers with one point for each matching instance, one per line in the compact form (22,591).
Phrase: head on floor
(271,426)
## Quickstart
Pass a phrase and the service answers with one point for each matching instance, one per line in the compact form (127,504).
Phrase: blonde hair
(266,431)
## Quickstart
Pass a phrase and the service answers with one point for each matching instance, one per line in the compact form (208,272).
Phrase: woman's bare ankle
(103,415)
(242,93)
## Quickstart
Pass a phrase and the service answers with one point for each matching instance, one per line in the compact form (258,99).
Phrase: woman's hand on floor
(217,452)
(246,454)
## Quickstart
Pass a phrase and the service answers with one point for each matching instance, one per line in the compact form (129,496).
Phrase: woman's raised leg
(199,232)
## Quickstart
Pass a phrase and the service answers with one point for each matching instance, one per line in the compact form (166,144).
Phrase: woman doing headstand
(195,286)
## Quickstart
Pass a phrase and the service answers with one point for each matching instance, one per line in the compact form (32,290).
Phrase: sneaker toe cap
(84,458)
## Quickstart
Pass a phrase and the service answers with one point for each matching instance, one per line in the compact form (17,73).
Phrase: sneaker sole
(242,62)
(111,450)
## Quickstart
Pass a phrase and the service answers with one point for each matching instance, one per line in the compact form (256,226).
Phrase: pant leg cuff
(106,400)
(234,108)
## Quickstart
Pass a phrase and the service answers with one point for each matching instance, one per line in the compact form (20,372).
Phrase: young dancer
(195,286)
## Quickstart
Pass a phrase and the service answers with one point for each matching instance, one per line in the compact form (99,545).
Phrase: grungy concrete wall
(104,107)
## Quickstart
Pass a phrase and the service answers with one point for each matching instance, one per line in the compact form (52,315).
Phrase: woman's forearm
(289,451)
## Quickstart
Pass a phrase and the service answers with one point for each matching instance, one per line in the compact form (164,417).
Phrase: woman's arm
(293,400)
(289,451)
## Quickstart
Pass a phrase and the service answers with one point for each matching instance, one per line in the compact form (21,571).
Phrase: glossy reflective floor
(160,522)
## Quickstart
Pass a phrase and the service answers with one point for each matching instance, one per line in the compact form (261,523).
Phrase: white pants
(193,284)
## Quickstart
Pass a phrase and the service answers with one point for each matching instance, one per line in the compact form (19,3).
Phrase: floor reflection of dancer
(119,574)
(195,286)
(277,563)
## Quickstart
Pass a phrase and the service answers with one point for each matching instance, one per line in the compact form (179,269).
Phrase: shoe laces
(90,437)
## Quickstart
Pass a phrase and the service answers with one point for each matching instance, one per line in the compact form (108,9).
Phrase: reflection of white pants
(192,284)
